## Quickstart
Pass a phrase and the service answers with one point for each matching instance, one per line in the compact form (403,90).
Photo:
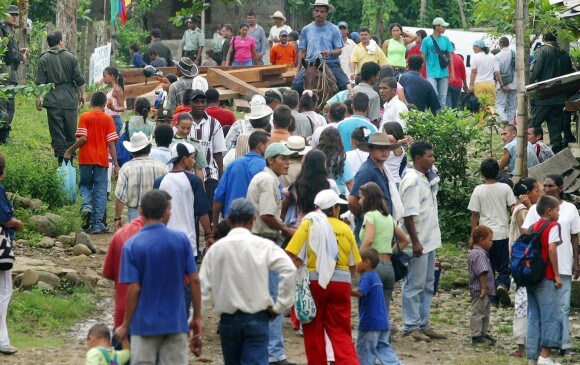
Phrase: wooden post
(522,19)
(21,36)
(83,51)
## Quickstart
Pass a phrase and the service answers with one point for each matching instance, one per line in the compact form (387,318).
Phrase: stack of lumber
(231,82)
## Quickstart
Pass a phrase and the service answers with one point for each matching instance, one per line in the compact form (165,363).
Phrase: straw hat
(278,14)
(378,140)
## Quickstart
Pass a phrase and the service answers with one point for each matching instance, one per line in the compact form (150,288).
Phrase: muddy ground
(450,315)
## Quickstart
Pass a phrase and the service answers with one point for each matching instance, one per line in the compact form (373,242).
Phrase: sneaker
(490,339)
(547,361)
(479,340)
(430,332)
(86,217)
(417,335)
(504,296)
(282,362)
(8,350)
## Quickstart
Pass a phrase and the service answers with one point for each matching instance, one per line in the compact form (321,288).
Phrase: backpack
(527,265)
(470,102)
(6,254)
(122,154)
(110,361)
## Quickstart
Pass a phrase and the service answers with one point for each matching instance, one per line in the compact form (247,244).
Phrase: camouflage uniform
(10,62)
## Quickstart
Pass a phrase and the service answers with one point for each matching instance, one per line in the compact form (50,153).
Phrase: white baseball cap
(327,199)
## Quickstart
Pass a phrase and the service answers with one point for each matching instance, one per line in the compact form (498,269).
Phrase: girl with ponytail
(115,96)
(140,122)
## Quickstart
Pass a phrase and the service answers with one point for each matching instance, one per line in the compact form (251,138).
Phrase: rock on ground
(80,249)
(84,239)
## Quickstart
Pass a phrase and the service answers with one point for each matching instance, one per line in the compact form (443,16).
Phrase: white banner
(100,59)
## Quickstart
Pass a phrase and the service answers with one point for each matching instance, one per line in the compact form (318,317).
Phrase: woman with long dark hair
(116,96)
(338,168)
(568,253)
(527,191)
(377,232)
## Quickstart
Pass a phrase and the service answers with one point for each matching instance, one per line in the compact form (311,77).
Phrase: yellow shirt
(348,254)
(361,56)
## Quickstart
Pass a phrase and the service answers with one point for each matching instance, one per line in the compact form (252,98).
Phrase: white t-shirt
(317,132)
(356,158)
(570,224)
(491,201)
(392,113)
(275,32)
(486,65)
(393,163)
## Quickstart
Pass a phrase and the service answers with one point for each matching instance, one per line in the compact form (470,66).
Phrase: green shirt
(61,68)
(396,53)
(200,161)
(192,39)
(95,356)
(384,229)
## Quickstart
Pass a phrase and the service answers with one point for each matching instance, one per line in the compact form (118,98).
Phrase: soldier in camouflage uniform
(61,68)
(10,62)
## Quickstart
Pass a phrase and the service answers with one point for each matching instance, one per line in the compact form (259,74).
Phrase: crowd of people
(285,207)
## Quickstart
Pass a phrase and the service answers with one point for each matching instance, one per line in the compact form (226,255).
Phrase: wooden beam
(136,90)
(242,105)
(219,77)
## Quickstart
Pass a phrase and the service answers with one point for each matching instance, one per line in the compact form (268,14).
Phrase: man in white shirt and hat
(279,25)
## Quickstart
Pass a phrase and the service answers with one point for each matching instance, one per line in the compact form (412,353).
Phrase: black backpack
(527,265)
(6,254)
(470,102)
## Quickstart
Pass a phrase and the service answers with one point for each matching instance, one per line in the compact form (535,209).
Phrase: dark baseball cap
(197,94)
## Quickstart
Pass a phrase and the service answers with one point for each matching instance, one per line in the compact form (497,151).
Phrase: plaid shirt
(478,264)
(543,151)
(136,178)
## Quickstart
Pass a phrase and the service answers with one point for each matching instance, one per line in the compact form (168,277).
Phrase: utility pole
(522,21)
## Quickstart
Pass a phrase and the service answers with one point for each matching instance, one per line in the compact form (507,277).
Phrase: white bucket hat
(138,141)
(298,144)
(258,108)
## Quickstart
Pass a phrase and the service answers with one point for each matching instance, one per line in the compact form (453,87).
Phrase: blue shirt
(342,178)
(372,311)
(512,149)
(236,179)
(316,38)
(158,258)
(419,91)
(433,68)
(137,61)
(6,211)
(347,126)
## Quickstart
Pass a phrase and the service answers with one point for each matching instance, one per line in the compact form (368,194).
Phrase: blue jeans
(118,123)
(440,85)
(544,320)
(453,96)
(132,213)
(276,339)
(373,345)
(93,187)
(245,63)
(418,292)
(341,78)
(564,292)
(244,338)
(499,257)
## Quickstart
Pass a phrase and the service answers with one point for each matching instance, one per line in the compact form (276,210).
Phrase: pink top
(243,48)
(115,103)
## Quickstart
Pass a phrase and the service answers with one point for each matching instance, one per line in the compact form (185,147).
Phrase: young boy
(100,350)
(373,329)
(508,159)
(488,205)
(544,319)
(209,61)
(481,284)
(163,135)
(182,134)
(96,136)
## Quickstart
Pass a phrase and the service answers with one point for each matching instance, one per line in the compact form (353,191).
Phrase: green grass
(37,318)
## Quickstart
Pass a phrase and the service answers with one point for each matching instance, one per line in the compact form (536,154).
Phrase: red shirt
(99,129)
(459,68)
(112,265)
(416,50)
(544,240)
(224,116)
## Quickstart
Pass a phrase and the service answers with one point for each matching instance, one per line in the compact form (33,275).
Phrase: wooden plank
(242,105)
(226,94)
(570,178)
(231,82)
(559,164)
(136,90)
(273,70)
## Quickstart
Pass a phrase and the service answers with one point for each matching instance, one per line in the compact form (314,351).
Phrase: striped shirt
(136,178)
(210,135)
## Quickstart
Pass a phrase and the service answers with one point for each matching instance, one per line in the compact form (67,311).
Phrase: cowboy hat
(258,111)
(187,67)
(278,14)
(324,3)
(378,140)
(298,144)
(138,141)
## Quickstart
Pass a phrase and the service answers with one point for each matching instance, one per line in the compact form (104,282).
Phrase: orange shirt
(99,129)
(279,135)
(283,55)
